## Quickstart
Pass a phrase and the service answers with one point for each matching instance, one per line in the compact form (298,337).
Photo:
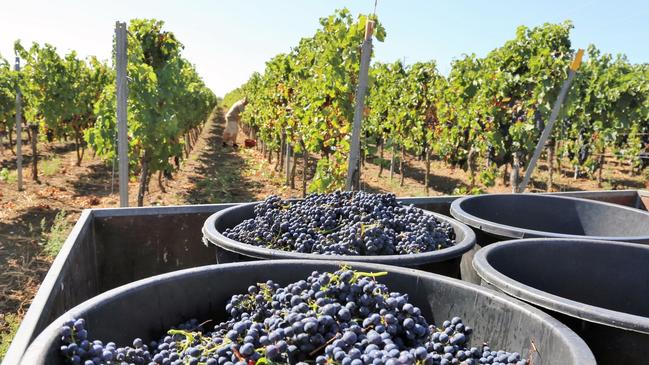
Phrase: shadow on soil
(443,184)
(21,256)
(97,181)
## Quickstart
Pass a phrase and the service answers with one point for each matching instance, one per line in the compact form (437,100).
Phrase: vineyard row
(65,97)
(490,108)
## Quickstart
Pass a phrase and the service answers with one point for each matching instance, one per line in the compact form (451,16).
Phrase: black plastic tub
(598,288)
(445,261)
(147,307)
(498,217)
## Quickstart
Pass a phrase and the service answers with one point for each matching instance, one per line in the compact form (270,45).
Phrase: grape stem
(204,323)
(533,349)
(238,354)
(360,274)
(337,335)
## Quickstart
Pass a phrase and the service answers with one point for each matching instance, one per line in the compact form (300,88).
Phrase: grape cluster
(78,349)
(345,318)
(343,223)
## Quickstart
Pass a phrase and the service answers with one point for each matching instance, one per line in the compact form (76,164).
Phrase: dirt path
(214,174)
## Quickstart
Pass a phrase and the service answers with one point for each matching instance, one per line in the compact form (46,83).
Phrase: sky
(229,40)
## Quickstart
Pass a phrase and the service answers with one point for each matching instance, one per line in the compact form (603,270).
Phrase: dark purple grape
(343,223)
(316,320)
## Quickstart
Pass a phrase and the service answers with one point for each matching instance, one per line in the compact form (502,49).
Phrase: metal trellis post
(122,97)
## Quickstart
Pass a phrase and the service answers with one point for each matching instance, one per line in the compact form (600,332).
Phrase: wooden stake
(515,175)
(401,165)
(427,177)
(353,168)
(305,156)
(602,160)
(553,117)
(392,163)
(33,127)
(381,156)
(19,132)
(550,167)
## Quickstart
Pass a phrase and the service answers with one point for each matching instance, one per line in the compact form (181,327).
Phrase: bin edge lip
(572,308)
(578,347)
(456,251)
(512,232)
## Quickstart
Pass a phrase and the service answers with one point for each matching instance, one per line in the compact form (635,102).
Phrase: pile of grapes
(343,223)
(343,318)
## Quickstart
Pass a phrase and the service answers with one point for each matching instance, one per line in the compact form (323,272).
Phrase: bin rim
(577,345)
(513,232)
(572,308)
(213,236)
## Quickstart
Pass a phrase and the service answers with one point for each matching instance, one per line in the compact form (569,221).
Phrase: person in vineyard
(232,118)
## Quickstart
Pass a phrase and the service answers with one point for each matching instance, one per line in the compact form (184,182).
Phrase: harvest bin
(110,247)
(498,217)
(600,289)
(148,307)
(445,261)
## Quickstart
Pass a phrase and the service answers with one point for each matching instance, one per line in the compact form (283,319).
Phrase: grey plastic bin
(498,217)
(598,288)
